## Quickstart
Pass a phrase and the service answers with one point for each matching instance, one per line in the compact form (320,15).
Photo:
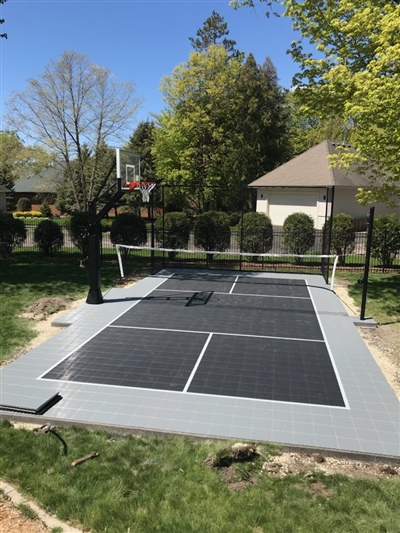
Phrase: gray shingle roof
(4,189)
(45,182)
(312,169)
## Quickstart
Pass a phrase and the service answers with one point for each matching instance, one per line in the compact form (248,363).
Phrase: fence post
(367,261)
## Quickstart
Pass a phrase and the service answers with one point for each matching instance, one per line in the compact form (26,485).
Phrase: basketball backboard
(128,168)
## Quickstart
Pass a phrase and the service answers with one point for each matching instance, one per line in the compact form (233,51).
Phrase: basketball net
(145,187)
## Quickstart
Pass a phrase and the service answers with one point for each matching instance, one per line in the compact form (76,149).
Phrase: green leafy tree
(12,231)
(354,74)
(256,236)
(298,234)
(49,237)
(173,231)
(45,210)
(214,31)
(220,130)
(212,231)
(343,235)
(386,239)
(75,108)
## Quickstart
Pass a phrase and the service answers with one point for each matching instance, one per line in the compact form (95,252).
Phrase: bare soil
(13,521)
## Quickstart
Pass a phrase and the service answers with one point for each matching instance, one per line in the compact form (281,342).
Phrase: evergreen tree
(214,31)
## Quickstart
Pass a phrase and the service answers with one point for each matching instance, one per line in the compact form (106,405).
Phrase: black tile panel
(271,287)
(226,313)
(268,369)
(133,358)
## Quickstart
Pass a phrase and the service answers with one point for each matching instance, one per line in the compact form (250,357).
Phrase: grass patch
(24,280)
(163,484)
(383,301)
(27,511)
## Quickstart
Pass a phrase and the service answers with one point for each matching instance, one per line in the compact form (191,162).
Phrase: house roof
(45,182)
(312,169)
(4,189)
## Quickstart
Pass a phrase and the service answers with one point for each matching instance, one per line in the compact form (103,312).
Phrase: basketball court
(258,356)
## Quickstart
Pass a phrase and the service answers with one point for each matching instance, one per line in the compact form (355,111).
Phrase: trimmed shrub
(386,239)
(45,210)
(77,230)
(27,214)
(129,229)
(257,234)
(298,234)
(12,231)
(234,219)
(343,235)
(24,204)
(212,231)
(176,232)
(49,237)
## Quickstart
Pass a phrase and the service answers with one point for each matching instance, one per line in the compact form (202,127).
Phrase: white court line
(102,329)
(202,394)
(194,370)
(241,294)
(233,286)
(329,352)
(219,333)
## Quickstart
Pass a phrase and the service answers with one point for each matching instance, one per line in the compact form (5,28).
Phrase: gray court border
(370,425)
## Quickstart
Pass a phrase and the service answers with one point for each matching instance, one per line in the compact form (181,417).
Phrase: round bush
(298,234)
(235,218)
(173,231)
(78,230)
(257,235)
(49,237)
(386,239)
(129,229)
(12,231)
(24,204)
(212,231)
(343,235)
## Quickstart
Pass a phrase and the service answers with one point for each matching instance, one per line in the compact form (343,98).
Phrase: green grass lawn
(148,484)
(383,296)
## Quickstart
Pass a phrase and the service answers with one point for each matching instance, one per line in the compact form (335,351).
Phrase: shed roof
(312,169)
(4,189)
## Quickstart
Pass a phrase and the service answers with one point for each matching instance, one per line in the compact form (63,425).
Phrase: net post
(334,271)
(121,268)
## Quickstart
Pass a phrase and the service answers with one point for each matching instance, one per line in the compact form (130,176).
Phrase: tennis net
(156,259)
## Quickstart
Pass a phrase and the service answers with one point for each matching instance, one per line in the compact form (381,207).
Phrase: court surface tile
(257,356)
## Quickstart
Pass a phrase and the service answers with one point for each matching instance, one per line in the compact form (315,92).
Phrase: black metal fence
(353,261)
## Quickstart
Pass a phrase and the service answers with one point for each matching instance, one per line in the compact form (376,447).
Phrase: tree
(18,160)
(74,108)
(212,232)
(386,239)
(49,237)
(257,233)
(12,231)
(214,31)
(220,130)
(4,35)
(343,235)
(354,74)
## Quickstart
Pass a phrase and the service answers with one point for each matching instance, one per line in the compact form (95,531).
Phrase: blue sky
(141,40)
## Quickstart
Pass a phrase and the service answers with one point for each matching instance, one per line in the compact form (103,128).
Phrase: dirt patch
(45,307)
(12,521)
(290,463)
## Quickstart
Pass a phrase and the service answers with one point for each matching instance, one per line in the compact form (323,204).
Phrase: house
(309,184)
(3,198)
(41,187)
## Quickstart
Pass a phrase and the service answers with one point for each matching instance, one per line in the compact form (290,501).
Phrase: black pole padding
(95,295)
(367,262)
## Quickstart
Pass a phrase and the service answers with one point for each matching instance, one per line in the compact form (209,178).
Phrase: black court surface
(243,337)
